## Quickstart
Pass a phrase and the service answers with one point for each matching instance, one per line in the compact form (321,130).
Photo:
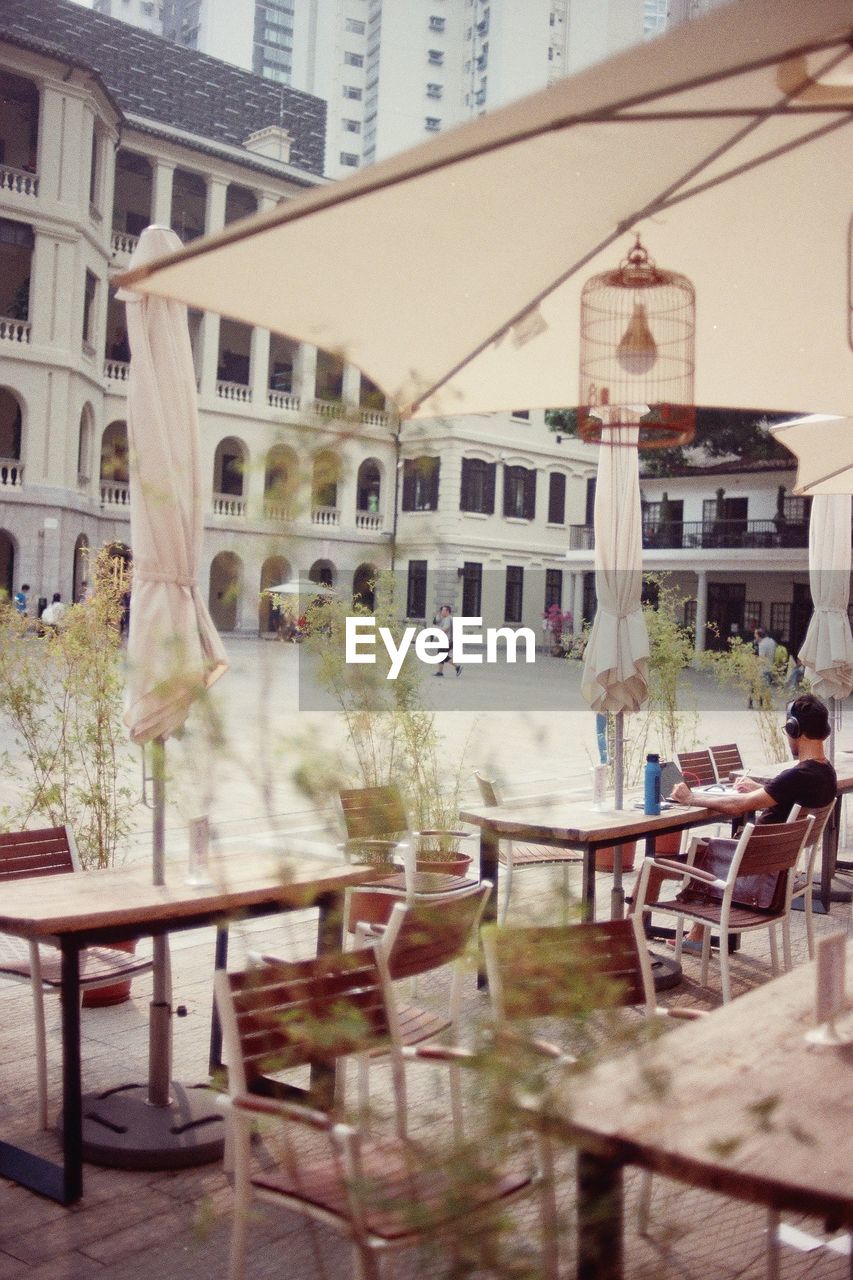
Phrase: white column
(259,360)
(214,214)
(305,372)
(701,608)
(161,193)
(208,354)
(351,391)
(577,604)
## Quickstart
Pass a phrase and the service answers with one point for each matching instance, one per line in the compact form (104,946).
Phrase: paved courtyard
(131,1225)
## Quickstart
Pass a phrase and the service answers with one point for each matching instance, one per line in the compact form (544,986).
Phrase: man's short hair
(759,631)
(811,715)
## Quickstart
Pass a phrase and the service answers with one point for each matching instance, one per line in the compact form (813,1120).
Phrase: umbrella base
(666,971)
(121,1130)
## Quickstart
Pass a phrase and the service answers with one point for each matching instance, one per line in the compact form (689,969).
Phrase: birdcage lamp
(637,355)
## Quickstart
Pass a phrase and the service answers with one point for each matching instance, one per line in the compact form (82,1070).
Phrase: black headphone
(794,730)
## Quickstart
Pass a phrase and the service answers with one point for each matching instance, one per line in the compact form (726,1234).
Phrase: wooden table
(80,909)
(829,850)
(746,1060)
(572,824)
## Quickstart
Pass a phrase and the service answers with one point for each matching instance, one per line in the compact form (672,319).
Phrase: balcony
(280,512)
(327,517)
(229,504)
(123,242)
(17,331)
(722,535)
(116,370)
(115,493)
(11,473)
(368,521)
(19,180)
(284,400)
(236,392)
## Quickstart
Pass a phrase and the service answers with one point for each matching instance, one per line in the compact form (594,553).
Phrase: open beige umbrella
(451,274)
(174,653)
(823,446)
(827,650)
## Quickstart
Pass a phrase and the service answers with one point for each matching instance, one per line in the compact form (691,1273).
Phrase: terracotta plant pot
(604,857)
(666,846)
(371,906)
(446,864)
(116,992)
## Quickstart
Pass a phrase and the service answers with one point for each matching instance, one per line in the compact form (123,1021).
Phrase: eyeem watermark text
(468,640)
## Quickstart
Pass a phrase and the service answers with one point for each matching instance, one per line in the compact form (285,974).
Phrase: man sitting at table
(810,783)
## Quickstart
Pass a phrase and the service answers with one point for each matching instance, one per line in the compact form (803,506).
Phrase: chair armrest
(443,831)
(255,1104)
(687,1015)
(688,872)
(451,1054)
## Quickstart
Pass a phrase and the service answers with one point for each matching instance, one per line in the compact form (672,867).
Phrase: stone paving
(131,1225)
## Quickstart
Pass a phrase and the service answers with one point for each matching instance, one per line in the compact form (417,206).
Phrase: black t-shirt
(811,784)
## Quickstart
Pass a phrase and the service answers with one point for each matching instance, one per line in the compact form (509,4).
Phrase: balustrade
(234,391)
(116,370)
(283,400)
(229,504)
(278,511)
(14,330)
(369,521)
(11,473)
(115,493)
(26,184)
(123,242)
(328,516)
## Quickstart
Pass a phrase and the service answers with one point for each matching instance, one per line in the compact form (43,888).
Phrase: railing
(116,370)
(328,408)
(369,521)
(283,400)
(14,330)
(376,417)
(325,516)
(684,535)
(278,511)
(234,391)
(26,184)
(227,504)
(115,493)
(11,473)
(123,242)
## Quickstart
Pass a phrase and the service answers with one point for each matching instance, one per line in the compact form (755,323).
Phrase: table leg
(588,881)
(330,925)
(600,1217)
(220,961)
(489,865)
(72,1084)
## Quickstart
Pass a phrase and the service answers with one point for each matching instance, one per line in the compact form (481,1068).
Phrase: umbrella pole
(160,1009)
(617,893)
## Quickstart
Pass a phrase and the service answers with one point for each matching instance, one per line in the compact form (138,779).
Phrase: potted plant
(557,622)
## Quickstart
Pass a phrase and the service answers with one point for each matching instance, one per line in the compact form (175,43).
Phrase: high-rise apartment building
(147,14)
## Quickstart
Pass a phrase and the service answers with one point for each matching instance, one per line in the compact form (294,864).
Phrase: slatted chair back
(424,936)
(727,760)
(756,871)
(488,790)
(697,767)
(371,812)
(48,851)
(280,1015)
(821,818)
(561,971)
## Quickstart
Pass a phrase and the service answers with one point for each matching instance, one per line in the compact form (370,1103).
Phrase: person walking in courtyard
(444,620)
(22,599)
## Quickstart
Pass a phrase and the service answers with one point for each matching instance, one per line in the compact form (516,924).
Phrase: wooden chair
(564,972)
(46,852)
(697,767)
(727,761)
(382,1194)
(376,823)
(512,855)
(802,884)
(735,890)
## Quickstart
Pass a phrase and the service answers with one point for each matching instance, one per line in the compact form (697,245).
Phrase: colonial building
(105,128)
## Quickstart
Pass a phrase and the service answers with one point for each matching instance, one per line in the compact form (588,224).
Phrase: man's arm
(734,804)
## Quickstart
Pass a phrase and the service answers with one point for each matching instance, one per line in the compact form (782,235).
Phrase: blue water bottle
(651,782)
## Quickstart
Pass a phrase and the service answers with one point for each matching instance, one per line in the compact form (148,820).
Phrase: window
(420,484)
(553,588)
(436,23)
(519,493)
(435,57)
(434,90)
(354,59)
(780,622)
(347,157)
(472,590)
(350,91)
(514,594)
(416,589)
(523,415)
(351,126)
(432,124)
(477,492)
(89,291)
(355,26)
(556,498)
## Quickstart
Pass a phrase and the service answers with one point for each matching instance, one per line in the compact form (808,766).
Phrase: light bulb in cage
(637,350)
(636,354)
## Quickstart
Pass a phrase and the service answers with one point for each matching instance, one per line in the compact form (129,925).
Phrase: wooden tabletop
(80,901)
(748,1108)
(764,771)
(577,822)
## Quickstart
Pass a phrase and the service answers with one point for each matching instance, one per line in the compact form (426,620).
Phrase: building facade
(308,472)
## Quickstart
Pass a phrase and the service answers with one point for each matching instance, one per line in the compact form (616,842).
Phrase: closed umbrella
(457,266)
(827,650)
(174,653)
